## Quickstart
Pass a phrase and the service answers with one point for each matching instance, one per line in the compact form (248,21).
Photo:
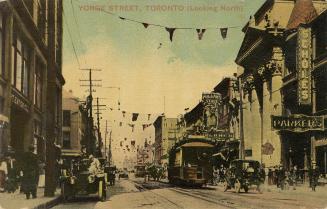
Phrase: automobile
(78,180)
(123,174)
(244,174)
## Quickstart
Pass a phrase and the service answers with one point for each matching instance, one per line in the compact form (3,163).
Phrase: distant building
(73,124)
(166,132)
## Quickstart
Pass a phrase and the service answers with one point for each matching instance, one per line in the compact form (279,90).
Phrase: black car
(243,174)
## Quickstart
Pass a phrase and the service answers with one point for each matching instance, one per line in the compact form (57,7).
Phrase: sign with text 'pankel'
(297,123)
(303,65)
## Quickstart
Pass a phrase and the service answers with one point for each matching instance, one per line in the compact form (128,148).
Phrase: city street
(126,194)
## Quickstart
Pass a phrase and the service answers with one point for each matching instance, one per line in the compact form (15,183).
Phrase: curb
(49,204)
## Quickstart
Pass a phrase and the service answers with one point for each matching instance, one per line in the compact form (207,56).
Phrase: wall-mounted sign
(211,99)
(20,103)
(297,123)
(222,135)
(303,65)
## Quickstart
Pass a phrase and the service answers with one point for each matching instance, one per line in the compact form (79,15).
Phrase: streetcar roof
(197,144)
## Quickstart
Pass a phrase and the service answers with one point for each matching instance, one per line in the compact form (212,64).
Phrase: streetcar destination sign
(297,123)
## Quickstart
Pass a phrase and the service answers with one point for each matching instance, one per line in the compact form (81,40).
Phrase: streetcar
(190,161)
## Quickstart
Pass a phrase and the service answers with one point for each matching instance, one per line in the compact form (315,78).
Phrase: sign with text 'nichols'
(303,65)
(297,123)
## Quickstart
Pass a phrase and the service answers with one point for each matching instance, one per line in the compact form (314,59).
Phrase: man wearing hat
(30,170)
(314,175)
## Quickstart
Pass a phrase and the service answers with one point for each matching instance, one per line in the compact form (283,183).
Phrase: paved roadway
(125,196)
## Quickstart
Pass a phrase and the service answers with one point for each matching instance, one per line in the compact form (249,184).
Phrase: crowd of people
(22,176)
(278,175)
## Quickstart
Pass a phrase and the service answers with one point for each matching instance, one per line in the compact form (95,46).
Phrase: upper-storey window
(41,17)
(2,41)
(20,65)
(320,30)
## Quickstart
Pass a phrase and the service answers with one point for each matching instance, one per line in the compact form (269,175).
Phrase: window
(41,17)
(66,140)
(20,65)
(66,118)
(2,41)
(321,79)
(38,84)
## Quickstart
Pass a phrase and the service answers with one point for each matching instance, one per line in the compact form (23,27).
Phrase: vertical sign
(303,65)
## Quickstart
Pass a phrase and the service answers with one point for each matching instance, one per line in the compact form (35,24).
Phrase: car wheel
(237,186)
(225,184)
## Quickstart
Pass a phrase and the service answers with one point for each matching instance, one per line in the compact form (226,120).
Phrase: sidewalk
(18,201)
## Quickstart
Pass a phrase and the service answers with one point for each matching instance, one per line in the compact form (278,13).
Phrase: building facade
(166,134)
(270,85)
(73,124)
(30,76)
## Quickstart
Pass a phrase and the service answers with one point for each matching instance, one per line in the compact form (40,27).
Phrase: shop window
(38,84)
(66,140)
(66,118)
(20,65)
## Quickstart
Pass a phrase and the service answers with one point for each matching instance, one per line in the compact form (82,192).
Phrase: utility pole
(90,142)
(110,154)
(98,113)
(105,141)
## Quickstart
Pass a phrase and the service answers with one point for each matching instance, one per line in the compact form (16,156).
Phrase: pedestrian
(3,173)
(11,184)
(314,175)
(270,177)
(30,168)
(281,177)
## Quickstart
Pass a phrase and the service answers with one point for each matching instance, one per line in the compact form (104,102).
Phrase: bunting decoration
(200,30)
(171,33)
(132,125)
(223,32)
(200,33)
(135,116)
(146,126)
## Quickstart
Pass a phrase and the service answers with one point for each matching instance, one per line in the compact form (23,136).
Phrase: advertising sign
(211,99)
(303,61)
(297,123)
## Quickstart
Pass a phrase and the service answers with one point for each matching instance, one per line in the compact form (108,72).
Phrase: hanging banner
(297,123)
(303,65)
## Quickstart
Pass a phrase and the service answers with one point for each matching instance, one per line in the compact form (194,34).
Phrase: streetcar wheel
(237,186)
(225,184)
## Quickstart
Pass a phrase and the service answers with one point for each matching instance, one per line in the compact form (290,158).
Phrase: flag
(134,117)
(223,32)
(145,24)
(171,32)
(200,33)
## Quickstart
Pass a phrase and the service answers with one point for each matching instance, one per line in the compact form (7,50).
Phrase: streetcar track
(219,202)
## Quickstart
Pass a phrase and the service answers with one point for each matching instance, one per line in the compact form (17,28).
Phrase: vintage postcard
(191,104)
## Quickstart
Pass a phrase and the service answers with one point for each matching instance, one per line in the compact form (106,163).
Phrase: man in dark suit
(30,170)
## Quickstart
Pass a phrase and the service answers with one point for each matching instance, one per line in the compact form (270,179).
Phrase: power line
(71,40)
(77,25)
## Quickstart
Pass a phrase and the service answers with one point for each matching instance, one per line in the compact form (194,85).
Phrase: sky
(154,74)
